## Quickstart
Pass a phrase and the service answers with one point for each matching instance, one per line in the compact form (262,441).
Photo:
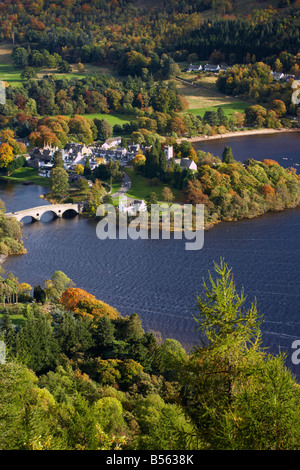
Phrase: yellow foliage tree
(79,169)
(6,155)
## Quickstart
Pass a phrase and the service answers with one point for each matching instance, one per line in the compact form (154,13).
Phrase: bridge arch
(37,212)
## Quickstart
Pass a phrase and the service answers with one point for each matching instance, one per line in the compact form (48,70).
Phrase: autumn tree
(139,161)
(279,107)
(79,169)
(194,193)
(56,285)
(95,196)
(6,155)
(168,194)
(82,303)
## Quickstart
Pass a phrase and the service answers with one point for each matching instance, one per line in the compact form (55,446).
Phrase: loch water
(159,279)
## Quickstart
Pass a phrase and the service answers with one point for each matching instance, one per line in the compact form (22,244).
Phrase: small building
(132,208)
(289,77)
(110,143)
(45,171)
(186,163)
(278,76)
(211,68)
(194,68)
(223,68)
(168,149)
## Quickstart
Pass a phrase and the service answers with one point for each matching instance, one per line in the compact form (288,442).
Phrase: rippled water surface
(159,279)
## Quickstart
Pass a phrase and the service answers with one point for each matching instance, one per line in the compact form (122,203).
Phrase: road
(125,186)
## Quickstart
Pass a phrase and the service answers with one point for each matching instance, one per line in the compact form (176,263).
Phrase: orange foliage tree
(268,191)
(269,162)
(82,303)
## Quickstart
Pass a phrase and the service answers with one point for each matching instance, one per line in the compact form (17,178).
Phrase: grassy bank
(17,319)
(111,118)
(228,108)
(140,188)
(26,174)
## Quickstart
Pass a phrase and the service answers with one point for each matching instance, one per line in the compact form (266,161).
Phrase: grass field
(12,75)
(8,72)
(204,96)
(27,174)
(90,70)
(238,106)
(17,319)
(140,188)
(201,97)
(111,118)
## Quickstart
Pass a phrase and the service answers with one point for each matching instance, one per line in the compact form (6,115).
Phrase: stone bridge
(36,212)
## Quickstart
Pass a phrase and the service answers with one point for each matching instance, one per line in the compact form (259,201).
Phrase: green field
(111,118)
(90,70)
(17,319)
(27,174)
(237,106)
(9,74)
(140,188)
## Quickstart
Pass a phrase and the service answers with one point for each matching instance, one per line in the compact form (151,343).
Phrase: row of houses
(277,76)
(207,68)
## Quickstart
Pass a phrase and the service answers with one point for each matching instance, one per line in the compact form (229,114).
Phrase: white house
(194,68)
(168,149)
(211,68)
(277,76)
(132,208)
(186,163)
(109,143)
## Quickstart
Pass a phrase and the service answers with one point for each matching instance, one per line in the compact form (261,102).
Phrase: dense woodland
(79,376)
(254,82)
(105,30)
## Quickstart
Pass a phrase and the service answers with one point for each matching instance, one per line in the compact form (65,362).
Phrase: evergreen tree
(58,160)
(59,182)
(105,333)
(39,294)
(222,118)
(227,155)
(229,376)
(163,165)
(7,332)
(87,168)
(36,346)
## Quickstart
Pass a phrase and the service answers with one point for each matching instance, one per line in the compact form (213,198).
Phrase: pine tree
(87,168)
(236,395)
(227,155)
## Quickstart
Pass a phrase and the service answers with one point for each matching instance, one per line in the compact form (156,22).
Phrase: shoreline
(3,258)
(238,134)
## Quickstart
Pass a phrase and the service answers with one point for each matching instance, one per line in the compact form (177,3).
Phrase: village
(77,154)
